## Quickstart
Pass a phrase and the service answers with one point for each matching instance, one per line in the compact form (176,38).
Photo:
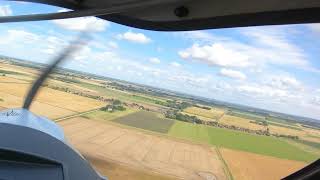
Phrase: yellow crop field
(244,165)
(171,158)
(49,103)
(200,117)
(240,122)
(286,131)
(18,69)
(213,113)
(7,79)
(53,97)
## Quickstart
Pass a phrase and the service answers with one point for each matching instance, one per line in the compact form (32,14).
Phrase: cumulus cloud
(82,23)
(175,64)
(134,37)
(284,82)
(316,100)
(14,36)
(265,92)
(5,10)
(113,44)
(232,74)
(187,78)
(215,55)
(49,51)
(314,27)
(154,60)
(198,36)
(257,49)
(273,45)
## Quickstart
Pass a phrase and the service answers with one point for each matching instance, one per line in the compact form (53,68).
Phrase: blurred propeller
(82,39)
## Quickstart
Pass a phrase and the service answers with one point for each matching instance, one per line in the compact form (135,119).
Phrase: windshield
(237,103)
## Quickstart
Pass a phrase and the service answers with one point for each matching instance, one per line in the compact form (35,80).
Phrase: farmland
(240,141)
(49,103)
(146,120)
(240,122)
(244,165)
(213,113)
(140,141)
(104,142)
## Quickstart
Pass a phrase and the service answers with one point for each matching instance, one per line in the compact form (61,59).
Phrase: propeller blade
(82,39)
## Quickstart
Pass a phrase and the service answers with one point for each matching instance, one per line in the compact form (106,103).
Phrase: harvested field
(286,131)
(246,115)
(7,79)
(290,126)
(213,113)
(53,97)
(240,122)
(49,103)
(114,170)
(146,120)
(18,69)
(244,165)
(42,109)
(103,142)
(200,117)
(302,134)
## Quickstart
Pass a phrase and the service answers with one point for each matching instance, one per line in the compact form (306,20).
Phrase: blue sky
(271,67)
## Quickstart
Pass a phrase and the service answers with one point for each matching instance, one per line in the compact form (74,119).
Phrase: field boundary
(36,100)
(225,165)
(75,115)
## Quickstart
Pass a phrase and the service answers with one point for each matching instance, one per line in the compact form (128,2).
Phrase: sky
(270,67)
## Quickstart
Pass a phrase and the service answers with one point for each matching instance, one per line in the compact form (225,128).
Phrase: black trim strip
(297,16)
(281,17)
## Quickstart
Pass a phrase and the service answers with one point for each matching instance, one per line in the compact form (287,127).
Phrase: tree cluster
(174,114)
(174,104)
(116,105)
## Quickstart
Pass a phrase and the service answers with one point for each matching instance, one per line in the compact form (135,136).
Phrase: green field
(309,143)
(246,115)
(123,96)
(284,125)
(279,120)
(146,120)
(104,115)
(240,141)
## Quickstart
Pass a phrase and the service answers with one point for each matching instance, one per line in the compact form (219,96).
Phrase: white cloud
(154,60)
(134,37)
(82,23)
(49,51)
(5,10)
(216,55)
(196,35)
(187,78)
(200,36)
(272,45)
(175,64)
(316,100)
(314,27)
(284,82)
(113,44)
(265,92)
(19,35)
(257,49)
(232,74)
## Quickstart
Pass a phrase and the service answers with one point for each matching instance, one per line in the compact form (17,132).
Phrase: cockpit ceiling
(175,15)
